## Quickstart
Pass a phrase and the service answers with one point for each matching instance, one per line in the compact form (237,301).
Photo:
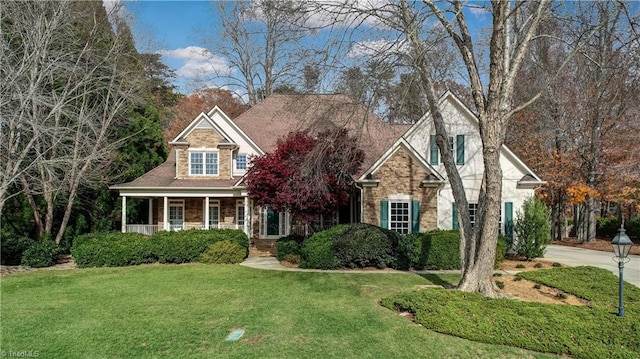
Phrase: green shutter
(433,152)
(384,214)
(460,149)
(415,217)
(508,219)
(454,214)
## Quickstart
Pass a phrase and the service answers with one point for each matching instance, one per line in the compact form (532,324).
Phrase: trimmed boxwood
(289,245)
(317,250)
(121,249)
(41,254)
(365,245)
(408,250)
(440,250)
(223,252)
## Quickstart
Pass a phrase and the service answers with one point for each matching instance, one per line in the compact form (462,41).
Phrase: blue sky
(176,29)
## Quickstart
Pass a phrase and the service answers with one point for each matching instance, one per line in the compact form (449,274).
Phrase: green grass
(584,332)
(186,311)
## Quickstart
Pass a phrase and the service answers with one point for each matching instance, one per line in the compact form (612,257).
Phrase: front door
(273,223)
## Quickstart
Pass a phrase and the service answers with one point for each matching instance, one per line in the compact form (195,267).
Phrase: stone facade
(194,211)
(401,175)
(204,139)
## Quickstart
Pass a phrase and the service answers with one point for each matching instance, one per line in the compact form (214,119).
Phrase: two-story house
(402,184)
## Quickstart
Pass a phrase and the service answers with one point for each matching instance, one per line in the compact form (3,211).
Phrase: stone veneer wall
(203,138)
(401,174)
(194,211)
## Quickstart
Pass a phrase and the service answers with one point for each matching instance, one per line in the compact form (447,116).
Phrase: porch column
(150,211)
(124,214)
(165,214)
(246,216)
(206,212)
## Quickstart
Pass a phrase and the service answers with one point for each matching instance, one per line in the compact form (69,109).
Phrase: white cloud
(197,62)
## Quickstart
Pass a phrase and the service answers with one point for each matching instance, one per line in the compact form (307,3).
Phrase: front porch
(182,213)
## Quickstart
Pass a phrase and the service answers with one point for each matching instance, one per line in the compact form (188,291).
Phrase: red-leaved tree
(306,175)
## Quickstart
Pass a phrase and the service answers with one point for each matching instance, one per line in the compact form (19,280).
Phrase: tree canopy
(284,180)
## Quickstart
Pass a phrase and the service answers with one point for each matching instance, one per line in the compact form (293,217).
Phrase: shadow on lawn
(437,280)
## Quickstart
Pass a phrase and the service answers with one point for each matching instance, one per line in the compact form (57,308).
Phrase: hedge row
(364,245)
(122,249)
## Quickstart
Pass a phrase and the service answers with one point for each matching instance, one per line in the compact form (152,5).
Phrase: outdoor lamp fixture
(621,246)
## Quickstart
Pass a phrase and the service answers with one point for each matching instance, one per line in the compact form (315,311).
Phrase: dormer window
(203,163)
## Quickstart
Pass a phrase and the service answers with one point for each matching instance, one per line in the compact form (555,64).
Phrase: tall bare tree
(70,83)
(262,43)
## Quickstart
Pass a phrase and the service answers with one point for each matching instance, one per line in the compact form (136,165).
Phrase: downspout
(361,200)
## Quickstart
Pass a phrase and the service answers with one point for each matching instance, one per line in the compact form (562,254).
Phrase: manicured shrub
(289,245)
(187,246)
(223,252)
(41,254)
(533,228)
(121,249)
(408,251)
(12,248)
(112,249)
(317,250)
(440,250)
(364,245)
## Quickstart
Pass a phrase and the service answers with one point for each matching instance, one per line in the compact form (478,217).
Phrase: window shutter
(384,214)
(454,214)
(460,150)
(433,152)
(508,219)
(415,216)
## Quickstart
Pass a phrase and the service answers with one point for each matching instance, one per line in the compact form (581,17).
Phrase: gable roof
(279,114)
(402,143)
(198,122)
(505,151)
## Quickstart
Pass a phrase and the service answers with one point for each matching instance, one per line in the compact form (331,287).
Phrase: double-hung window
(241,162)
(203,163)
(400,216)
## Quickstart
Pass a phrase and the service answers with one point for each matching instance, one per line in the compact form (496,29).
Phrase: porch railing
(149,229)
(146,229)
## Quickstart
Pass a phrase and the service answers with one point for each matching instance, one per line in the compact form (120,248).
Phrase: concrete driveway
(579,257)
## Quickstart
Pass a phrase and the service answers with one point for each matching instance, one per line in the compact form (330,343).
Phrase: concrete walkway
(573,256)
(570,256)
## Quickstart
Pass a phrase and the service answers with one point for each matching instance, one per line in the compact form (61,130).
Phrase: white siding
(460,121)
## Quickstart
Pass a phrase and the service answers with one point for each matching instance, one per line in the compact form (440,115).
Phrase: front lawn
(581,331)
(187,311)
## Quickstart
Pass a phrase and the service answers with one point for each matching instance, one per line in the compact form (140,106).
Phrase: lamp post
(621,246)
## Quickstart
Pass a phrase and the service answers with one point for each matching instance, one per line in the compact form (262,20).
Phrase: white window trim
(215,204)
(204,151)
(175,203)
(239,205)
(401,199)
(235,162)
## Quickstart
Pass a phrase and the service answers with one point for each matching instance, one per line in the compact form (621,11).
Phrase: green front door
(273,223)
